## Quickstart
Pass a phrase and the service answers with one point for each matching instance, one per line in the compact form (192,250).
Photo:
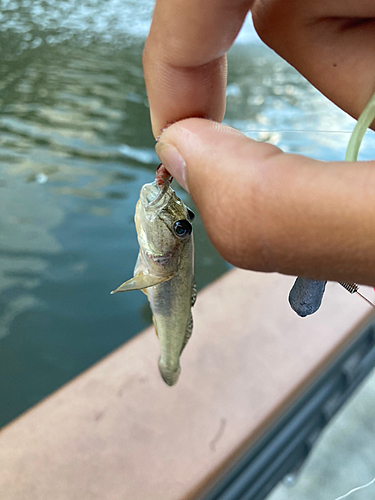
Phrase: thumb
(212,162)
(269,211)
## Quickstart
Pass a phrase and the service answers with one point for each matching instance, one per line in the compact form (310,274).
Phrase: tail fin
(169,376)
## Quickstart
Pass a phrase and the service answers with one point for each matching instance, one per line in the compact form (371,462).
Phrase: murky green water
(76,146)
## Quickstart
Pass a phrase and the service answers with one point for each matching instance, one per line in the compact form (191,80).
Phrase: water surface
(76,147)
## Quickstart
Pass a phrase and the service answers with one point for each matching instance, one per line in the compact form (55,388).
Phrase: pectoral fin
(141,281)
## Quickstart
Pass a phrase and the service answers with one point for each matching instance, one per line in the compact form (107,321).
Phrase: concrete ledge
(117,432)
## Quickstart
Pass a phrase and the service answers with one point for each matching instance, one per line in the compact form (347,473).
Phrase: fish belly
(171,307)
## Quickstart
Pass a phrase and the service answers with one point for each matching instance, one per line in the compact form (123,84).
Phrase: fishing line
(356,489)
(298,131)
(364,121)
(353,288)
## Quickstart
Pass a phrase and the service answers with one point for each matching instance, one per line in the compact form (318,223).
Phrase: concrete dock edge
(118,432)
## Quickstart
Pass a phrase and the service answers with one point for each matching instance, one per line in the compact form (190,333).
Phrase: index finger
(185,58)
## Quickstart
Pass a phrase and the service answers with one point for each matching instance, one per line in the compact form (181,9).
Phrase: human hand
(263,209)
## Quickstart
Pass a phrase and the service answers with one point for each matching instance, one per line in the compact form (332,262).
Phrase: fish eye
(191,214)
(182,228)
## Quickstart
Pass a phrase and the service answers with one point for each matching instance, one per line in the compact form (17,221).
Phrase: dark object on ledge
(306,296)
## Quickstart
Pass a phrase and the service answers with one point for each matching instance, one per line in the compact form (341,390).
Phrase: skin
(263,209)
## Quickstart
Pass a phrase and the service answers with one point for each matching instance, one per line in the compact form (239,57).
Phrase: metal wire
(353,288)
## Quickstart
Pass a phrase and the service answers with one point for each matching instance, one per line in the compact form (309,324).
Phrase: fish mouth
(152,196)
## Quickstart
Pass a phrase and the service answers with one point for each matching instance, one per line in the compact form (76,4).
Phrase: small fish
(164,268)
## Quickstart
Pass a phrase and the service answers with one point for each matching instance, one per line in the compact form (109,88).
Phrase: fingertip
(173,162)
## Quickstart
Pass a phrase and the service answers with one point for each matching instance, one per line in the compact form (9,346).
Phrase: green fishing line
(364,121)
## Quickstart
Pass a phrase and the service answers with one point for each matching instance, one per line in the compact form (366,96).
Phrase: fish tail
(169,375)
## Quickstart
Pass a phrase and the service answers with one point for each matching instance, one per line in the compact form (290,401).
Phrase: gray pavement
(343,458)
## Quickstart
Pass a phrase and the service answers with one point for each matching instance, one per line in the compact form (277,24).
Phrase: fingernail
(173,162)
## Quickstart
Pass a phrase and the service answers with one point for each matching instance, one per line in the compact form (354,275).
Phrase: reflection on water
(76,146)
(270,101)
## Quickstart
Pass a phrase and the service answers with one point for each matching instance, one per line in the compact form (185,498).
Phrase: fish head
(163,224)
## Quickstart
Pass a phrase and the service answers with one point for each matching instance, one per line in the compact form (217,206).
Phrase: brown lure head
(162,178)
